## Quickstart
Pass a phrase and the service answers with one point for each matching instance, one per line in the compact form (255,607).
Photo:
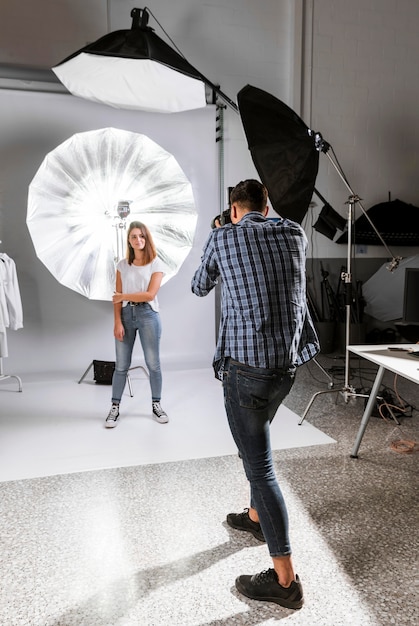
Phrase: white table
(398,362)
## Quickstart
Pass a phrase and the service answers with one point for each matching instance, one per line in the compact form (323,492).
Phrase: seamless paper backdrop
(62,329)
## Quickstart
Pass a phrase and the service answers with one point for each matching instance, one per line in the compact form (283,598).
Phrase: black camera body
(224,218)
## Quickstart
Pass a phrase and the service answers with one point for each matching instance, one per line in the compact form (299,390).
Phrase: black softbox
(282,149)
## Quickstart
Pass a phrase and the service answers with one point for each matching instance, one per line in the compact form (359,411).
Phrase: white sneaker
(113,416)
(158,414)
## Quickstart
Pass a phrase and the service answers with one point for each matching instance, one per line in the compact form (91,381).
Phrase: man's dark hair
(250,194)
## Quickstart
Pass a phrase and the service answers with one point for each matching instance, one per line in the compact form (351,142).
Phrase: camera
(224,218)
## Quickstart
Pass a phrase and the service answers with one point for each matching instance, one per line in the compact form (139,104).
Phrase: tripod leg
(140,367)
(331,383)
(129,386)
(318,393)
(86,372)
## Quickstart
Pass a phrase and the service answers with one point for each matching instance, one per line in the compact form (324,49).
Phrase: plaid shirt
(264,317)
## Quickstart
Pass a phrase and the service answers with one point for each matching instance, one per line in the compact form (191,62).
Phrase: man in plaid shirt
(265,333)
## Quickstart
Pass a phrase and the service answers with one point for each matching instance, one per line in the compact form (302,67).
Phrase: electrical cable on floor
(399,398)
(390,397)
(406,445)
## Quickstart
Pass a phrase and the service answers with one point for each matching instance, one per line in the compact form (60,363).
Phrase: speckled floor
(147,545)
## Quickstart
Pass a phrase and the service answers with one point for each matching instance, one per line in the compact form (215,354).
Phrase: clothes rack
(11,315)
(5,376)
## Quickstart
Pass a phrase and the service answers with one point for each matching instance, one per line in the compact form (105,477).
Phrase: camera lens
(224,218)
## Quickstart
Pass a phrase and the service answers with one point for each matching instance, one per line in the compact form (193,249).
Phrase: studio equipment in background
(329,221)
(348,391)
(85,192)
(396,298)
(285,151)
(384,293)
(396,221)
(135,69)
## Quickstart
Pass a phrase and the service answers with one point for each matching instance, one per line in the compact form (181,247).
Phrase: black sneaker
(265,586)
(242,521)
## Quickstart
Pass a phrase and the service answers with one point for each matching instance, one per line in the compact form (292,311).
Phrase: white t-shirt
(137,277)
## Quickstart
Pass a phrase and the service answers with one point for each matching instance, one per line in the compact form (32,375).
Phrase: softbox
(133,69)
(282,149)
(329,221)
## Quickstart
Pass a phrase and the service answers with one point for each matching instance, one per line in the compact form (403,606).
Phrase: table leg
(368,410)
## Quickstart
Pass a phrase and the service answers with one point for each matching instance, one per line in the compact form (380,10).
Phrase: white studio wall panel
(62,329)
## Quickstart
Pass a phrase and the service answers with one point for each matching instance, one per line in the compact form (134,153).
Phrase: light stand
(347,390)
(120,226)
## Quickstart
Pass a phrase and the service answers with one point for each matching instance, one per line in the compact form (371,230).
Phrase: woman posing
(138,279)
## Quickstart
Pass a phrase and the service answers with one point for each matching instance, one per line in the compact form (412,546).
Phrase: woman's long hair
(149,251)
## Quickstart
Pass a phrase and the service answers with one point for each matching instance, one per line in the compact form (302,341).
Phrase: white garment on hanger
(11,313)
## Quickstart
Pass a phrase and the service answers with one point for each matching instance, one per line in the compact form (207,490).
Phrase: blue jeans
(146,321)
(252,396)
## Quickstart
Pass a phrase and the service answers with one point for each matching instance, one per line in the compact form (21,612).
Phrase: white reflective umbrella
(384,291)
(79,199)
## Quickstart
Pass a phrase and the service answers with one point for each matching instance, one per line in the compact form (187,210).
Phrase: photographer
(265,334)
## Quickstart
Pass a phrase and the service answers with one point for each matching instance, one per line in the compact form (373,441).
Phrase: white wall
(361,93)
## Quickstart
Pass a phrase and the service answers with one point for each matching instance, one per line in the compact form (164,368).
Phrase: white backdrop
(62,329)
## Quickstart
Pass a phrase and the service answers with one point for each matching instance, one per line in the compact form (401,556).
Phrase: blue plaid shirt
(264,317)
